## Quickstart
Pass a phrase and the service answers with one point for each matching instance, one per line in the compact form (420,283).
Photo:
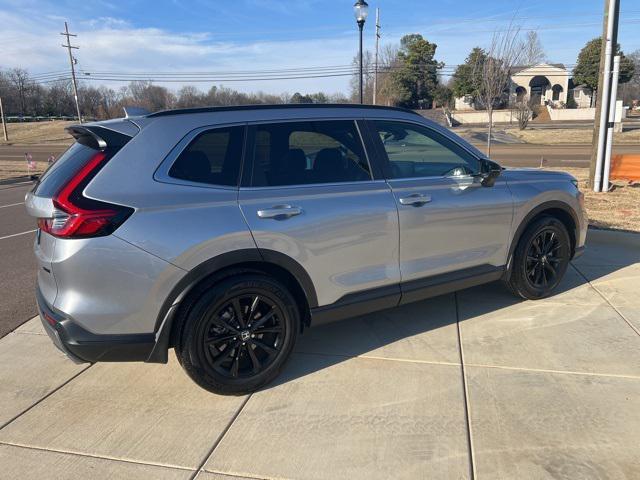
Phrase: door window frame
(249,152)
(383,158)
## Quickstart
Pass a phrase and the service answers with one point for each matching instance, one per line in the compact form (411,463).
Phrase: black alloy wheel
(544,257)
(239,333)
(540,259)
(244,335)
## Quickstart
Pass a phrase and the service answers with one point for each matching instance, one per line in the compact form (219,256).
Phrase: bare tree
(494,71)
(22,83)
(523,112)
(532,51)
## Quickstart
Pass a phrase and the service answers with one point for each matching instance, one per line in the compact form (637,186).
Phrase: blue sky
(200,35)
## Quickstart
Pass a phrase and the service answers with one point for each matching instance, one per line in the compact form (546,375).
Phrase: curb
(627,239)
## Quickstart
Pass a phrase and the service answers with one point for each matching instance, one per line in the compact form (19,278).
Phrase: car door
(308,192)
(449,221)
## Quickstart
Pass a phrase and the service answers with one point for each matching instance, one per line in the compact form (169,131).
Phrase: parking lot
(470,385)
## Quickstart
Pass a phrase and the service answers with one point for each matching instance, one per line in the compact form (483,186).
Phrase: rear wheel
(238,335)
(541,259)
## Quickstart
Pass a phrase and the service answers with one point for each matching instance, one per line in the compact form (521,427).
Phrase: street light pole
(375,73)
(361,10)
(361,26)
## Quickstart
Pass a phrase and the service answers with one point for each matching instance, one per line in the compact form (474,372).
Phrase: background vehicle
(225,232)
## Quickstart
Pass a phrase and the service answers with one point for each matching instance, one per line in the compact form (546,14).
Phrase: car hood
(535,174)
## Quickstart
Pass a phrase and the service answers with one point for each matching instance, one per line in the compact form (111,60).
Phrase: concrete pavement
(471,385)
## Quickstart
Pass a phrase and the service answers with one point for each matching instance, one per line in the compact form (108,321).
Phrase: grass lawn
(558,136)
(38,132)
(618,209)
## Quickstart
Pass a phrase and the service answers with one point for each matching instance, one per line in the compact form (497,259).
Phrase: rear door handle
(280,211)
(416,199)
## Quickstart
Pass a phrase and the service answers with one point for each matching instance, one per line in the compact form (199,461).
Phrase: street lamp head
(361,10)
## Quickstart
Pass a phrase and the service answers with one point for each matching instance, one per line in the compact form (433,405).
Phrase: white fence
(568,114)
(481,116)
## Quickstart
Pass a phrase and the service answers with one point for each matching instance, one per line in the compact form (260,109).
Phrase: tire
(540,259)
(238,335)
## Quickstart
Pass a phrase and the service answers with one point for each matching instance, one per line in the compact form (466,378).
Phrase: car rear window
(61,171)
(212,157)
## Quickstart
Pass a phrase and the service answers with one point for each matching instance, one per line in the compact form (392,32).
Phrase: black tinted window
(61,171)
(299,153)
(212,157)
(415,151)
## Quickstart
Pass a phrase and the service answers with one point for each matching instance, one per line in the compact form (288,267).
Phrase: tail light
(76,216)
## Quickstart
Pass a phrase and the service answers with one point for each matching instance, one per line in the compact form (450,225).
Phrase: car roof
(284,106)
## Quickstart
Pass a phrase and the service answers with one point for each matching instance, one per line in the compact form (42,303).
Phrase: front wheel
(238,335)
(540,259)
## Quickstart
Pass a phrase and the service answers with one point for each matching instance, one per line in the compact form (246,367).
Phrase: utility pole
(68,46)
(607,50)
(4,123)
(375,73)
(610,126)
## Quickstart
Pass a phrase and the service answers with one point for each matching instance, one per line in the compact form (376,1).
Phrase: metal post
(4,123)
(605,91)
(68,46)
(612,119)
(375,75)
(360,27)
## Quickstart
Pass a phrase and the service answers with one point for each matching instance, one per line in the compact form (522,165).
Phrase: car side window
(299,153)
(212,157)
(415,151)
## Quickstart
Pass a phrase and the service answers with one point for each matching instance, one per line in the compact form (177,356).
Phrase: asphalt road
(17,265)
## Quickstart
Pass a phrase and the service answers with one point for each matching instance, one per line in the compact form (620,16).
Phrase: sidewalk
(471,385)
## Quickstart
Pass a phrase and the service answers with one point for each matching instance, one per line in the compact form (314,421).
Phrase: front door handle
(279,212)
(416,199)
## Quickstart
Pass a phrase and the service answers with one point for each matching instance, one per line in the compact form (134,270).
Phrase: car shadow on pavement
(427,331)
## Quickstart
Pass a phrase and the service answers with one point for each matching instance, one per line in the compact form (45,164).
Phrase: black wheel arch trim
(537,210)
(209,267)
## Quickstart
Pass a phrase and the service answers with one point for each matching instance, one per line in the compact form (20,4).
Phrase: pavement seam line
(476,365)
(375,357)
(16,234)
(557,372)
(12,205)
(606,299)
(465,388)
(220,437)
(91,455)
(244,475)
(66,382)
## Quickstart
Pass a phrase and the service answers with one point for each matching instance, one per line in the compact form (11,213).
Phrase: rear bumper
(82,346)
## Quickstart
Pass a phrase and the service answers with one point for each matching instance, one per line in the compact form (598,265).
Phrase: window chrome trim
(314,185)
(162,172)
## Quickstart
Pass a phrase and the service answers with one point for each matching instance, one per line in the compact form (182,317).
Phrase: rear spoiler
(98,137)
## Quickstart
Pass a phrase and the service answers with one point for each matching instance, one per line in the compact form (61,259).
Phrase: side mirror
(490,171)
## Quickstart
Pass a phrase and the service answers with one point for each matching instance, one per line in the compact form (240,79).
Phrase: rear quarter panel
(184,225)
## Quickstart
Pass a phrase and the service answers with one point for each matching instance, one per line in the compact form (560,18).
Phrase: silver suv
(225,232)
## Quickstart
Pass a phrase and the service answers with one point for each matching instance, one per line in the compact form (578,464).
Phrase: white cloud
(111,44)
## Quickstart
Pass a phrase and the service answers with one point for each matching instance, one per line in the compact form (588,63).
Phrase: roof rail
(182,111)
